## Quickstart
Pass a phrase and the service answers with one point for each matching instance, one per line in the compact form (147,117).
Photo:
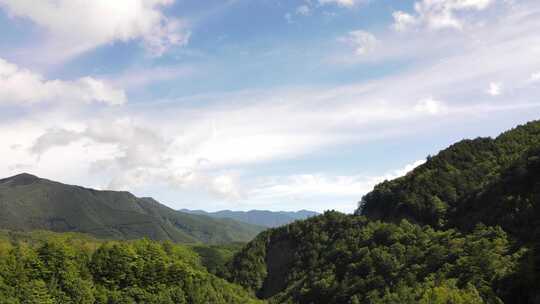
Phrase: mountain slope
(29,203)
(431,192)
(511,201)
(343,259)
(259,217)
(383,254)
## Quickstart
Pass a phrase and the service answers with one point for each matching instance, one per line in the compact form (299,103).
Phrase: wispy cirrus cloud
(215,143)
(198,146)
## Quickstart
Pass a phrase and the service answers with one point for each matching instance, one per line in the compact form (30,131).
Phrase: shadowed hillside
(431,193)
(29,203)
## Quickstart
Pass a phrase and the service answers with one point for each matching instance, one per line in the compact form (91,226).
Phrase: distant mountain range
(258,217)
(28,202)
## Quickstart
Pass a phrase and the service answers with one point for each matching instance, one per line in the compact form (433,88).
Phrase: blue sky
(259,104)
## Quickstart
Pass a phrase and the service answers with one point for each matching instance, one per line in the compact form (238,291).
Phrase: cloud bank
(76,26)
(22,86)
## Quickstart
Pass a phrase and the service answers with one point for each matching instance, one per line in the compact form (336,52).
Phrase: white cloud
(137,146)
(494,89)
(76,26)
(137,156)
(438,14)
(363,42)
(225,186)
(535,77)
(53,138)
(308,187)
(192,149)
(309,6)
(403,171)
(303,10)
(222,186)
(430,106)
(20,86)
(403,21)
(344,3)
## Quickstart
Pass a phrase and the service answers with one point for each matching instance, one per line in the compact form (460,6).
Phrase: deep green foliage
(512,201)
(63,269)
(215,257)
(430,194)
(338,258)
(494,182)
(480,203)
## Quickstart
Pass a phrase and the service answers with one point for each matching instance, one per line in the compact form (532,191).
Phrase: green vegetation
(338,258)
(510,201)
(462,228)
(44,267)
(215,257)
(431,193)
(30,203)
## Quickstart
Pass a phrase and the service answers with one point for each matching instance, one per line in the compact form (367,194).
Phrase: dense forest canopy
(337,258)
(51,268)
(462,228)
(431,193)
(510,201)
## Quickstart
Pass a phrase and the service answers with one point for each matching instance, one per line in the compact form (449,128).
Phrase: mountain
(342,259)
(30,203)
(431,193)
(462,228)
(259,217)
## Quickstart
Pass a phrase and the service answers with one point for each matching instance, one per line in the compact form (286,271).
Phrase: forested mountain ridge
(337,258)
(421,238)
(259,217)
(29,203)
(430,193)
